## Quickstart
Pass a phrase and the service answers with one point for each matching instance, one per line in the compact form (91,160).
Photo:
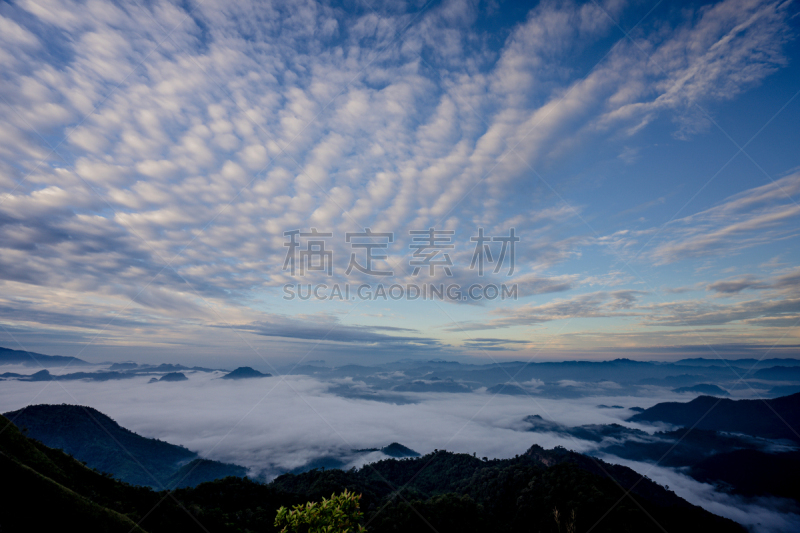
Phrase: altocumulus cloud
(152,154)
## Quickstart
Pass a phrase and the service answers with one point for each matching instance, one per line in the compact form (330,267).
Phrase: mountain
(590,432)
(453,493)
(127,365)
(244,372)
(9,356)
(171,376)
(752,473)
(507,388)
(682,447)
(45,375)
(779,373)
(784,390)
(703,388)
(169,367)
(396,449)
(744,363)
(674,381)
(174,376)
(435,385)
(770,419)
(201,471)
(46,489)
(94,438)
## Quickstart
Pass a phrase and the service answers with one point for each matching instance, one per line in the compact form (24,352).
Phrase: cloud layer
(153,155)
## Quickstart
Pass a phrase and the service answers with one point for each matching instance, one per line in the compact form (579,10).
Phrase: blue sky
(153,154)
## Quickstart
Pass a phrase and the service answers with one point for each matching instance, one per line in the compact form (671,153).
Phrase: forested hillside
(451,492)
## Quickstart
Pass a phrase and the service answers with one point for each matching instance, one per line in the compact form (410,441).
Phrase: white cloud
(276,424)
(223,126)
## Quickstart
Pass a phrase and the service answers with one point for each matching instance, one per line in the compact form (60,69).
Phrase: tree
(338,514)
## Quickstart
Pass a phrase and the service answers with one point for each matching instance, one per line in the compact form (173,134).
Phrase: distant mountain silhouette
(682,447)
(784,390)
(438,385)
(507,388)
(703,388)
(94,438)
(169,367)
(174,376)
(674,381)
(128,365)
(771,419)
(244,372)
(171,376)
(590,432)
(747,363)
(45,375)
(779,373)
(8,356)
(394,449)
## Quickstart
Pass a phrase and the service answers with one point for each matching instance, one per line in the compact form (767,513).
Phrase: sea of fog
(275,424)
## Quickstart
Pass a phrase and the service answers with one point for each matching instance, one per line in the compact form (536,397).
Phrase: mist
(762,514)
(278,424)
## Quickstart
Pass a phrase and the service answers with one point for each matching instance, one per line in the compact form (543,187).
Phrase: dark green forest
(441,491)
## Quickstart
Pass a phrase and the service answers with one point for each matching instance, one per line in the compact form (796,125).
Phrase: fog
(276,424)
(762,514)
(280,423)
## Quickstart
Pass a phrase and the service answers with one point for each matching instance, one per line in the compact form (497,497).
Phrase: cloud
(602,304)
(275,424)
(735,285)
(158,152)
(493,344)
(328,328)
(765,515)
(777,306)
(751,218)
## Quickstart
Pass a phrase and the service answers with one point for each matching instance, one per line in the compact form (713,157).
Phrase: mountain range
(447,491)
(774,418)
(95,439)
(9,356)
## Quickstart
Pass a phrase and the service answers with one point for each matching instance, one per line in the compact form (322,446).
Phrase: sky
(154,155)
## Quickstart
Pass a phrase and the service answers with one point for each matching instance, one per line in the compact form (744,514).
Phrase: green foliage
(338,514)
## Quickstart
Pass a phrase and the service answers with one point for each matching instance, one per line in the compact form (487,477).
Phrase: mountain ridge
(9,356)
(773,418)
(456,493)
(96,439)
